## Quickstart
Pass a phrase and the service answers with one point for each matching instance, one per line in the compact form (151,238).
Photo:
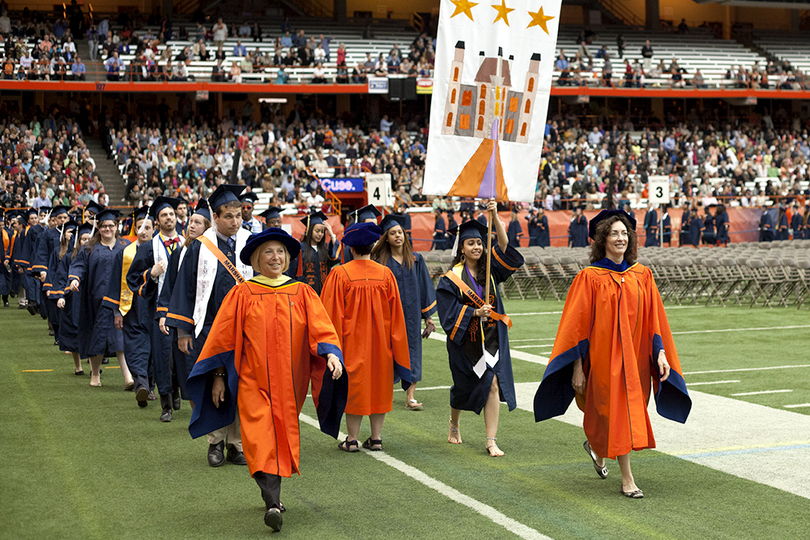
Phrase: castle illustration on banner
(472,109)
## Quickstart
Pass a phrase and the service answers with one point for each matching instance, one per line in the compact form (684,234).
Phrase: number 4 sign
(658,191)
(379,189)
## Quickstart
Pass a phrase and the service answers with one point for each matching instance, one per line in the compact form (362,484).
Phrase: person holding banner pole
(477,330)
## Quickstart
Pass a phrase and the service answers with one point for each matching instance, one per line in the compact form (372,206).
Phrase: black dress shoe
(5,304)
(32,309)
(166,415)
(176,402)
(141,396)
(273,519)
(215,455)
(236,456)
(50,332)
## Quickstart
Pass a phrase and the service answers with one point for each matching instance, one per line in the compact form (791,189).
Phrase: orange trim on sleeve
(108,299)
(458,322)
(74,277)
(495,253)
(431,306)
(179,318)
(140,289)
(163,309)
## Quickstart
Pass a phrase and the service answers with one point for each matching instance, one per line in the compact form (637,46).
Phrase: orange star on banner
(539,19)
(503,12)
(463,6)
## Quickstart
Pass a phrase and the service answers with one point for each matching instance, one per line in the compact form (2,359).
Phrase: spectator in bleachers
(256,32)
(647,54)
(299,39)
(393,62)
(199,51)
(342,75)
(620,45)
(220,54)
(235,73)
(244,30)
(607,72)
(683,27)
(359,75)
(319,55)
(676,79)
(239,49)
(92,41)
(220,31)
(583,41)
(286,40)
(304,55)
(698,81)
(113,65)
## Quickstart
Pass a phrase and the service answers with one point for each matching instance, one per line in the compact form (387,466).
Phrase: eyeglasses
(108,226)
(618,234)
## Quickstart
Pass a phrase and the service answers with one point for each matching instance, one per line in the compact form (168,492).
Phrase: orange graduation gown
(362,299)
(615,321)
(273,339)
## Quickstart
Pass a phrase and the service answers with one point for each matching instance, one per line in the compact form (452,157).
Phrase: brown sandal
(349,446)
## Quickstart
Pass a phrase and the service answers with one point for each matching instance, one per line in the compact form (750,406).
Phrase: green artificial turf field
(87,463)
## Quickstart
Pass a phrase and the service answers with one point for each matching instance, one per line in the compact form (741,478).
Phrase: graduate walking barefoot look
(613,348)
(270,339)
(362,299)
(476,328)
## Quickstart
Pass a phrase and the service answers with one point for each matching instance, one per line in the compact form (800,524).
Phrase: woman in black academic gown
(477,332)
(73,238)
(319,252)
(89,275)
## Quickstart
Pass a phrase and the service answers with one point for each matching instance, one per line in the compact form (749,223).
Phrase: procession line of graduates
(246,324)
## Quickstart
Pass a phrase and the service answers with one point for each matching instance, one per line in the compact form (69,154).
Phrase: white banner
(491,84)
(658,189)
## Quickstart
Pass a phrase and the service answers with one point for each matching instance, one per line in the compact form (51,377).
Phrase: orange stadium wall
(99,6)
(744,223)
(695,14)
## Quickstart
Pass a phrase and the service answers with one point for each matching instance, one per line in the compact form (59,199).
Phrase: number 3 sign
(659,189)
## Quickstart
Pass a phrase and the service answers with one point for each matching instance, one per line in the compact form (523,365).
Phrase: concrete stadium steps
(107,171)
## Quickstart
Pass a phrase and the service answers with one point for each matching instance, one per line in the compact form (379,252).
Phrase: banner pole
(489,259)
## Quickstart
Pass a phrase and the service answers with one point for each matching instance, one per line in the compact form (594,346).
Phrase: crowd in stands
(35,49)
(750,162)
(45,161)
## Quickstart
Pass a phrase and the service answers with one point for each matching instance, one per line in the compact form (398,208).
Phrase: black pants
(270,484)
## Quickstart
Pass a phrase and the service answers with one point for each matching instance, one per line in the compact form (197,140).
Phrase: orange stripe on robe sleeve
(458,322)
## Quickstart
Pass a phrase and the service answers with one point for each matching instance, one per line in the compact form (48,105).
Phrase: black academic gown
(796,225)
(184,295)
(140,281)
(765,227)
(32,285)
(578,232)
(721,222)
(416,286)
(93,269)
(696,228)
(514,232)
(137,320)
(182,362)
(684,238)
(314,273)
(69,315)
(782,232)
(651,228)
(464,347)
(666,223)
(709,234)
(439,235)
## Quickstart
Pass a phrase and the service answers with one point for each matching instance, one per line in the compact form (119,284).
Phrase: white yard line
(747,440)
(762,392)
(710,382)
(744,369)
(549,346)
(741,329)
(797,406)
(515,527)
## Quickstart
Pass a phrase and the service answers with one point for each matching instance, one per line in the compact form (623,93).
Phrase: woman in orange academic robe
(613,348)
(270,339)
(362,299)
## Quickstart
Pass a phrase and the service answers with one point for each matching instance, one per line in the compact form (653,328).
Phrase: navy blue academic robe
(416,287)
(93,269)
(32,286)
(314,273)
(666,223)
(721,222)
(140,281)
(137,320)
(47,242)
(439,235)
(514,232)
(184,296)
(464,347)
(538,231)
(709,234)
(782,232)
(796,225)
(578,232)
(182,362)
(684,238)
(695,229)
(5,273)
(651,228)
(765,227)
(69,315)
(15,278)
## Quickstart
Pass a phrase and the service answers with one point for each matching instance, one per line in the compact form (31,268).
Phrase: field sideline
(87,463)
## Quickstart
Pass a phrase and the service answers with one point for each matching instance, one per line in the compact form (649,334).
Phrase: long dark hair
(382,251)
(601,235)
(323,253)
(480,267)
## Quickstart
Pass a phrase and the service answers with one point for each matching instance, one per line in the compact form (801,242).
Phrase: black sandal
(375,445)
(349,446)
(601,471)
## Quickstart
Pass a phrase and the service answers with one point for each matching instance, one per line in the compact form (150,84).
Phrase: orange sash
(469,293)
(229,266)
